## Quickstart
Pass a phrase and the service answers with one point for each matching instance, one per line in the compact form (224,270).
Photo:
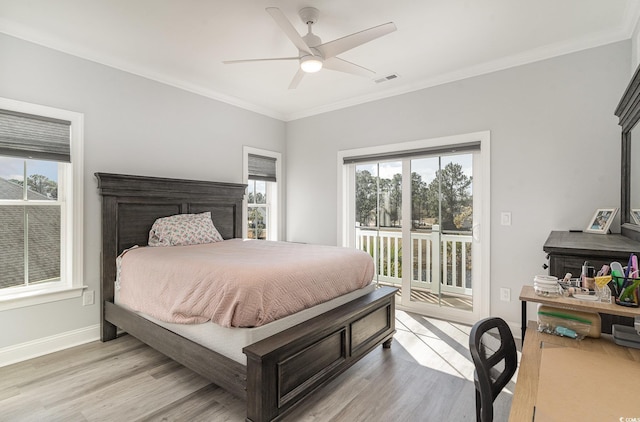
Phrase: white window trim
(481,232)
(275,206)
(72,222)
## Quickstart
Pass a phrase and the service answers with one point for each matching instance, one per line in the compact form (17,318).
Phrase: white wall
(134,126)
(555,152)
(635,47)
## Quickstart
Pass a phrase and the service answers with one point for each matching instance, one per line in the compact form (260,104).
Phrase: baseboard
(44,346)
(516,329)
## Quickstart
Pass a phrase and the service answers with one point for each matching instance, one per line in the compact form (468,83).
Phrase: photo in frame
(635,215)
(601,220)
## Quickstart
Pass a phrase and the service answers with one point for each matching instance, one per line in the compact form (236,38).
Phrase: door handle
(476,232)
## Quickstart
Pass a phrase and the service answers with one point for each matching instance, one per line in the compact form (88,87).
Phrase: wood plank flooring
(427,375)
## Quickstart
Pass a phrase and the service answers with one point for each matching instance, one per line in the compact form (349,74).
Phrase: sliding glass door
(418,215)
(441,231)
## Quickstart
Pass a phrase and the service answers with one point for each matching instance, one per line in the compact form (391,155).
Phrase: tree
(395,199)
(391,201)
(418,199)
(256,222)
(41,184)
(452,186)
(366,197)
(464,218)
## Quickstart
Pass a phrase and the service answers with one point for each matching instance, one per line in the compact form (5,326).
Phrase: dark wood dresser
(568,250)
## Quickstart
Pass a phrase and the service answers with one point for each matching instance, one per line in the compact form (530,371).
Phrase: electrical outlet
(505,294)
(88,298)
(505,218)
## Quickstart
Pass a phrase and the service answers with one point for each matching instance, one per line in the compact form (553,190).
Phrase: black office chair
(493,351)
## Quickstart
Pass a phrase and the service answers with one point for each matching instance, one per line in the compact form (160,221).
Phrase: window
(40,204)
(262,169)
(258,211)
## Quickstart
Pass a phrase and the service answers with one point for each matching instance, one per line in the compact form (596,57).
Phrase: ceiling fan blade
(296,79)
(340,65)
(335,47)
(288,29)
(259,60)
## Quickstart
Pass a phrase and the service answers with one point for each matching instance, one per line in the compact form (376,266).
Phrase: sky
(13,168)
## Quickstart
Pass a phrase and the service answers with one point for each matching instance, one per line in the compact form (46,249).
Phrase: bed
(282,369)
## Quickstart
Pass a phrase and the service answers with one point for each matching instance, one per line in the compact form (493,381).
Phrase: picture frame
(635,215)
(601,220)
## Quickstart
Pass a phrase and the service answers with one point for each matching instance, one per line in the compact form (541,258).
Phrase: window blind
(262,168)
(397,155)
(29,136)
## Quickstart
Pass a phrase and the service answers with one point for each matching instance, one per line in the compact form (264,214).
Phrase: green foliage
(370,190)
(366,198)
(41,184)
(256,223)
(418,200)
(393,190)
(455,193)
(450,184)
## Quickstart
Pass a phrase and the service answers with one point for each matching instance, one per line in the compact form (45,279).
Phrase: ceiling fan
(313,55)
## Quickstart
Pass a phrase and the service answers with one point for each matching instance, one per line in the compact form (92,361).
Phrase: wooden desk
(527,294)
(526,391)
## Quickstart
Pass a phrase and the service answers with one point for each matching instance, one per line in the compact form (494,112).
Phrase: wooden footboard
(282,370)
(285,368)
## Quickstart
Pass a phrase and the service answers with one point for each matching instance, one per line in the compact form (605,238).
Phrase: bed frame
(282,369)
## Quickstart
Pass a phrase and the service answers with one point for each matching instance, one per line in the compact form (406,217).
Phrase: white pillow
(184,229)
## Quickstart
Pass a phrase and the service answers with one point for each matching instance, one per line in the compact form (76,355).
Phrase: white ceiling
(183,43)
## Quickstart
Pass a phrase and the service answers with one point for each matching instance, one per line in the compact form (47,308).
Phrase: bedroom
(547,120)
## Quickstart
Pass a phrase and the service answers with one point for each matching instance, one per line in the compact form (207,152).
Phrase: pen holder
(627,291)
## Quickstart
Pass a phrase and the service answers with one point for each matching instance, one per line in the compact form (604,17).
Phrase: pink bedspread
(239,283)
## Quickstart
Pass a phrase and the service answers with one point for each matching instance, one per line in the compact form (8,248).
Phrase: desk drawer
(559,265)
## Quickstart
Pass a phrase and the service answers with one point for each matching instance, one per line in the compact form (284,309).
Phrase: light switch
(505,218)
(505,294)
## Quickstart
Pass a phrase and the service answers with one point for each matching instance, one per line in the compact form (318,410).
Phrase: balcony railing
(440,262)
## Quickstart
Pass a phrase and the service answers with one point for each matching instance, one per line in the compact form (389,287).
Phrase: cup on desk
(603,293)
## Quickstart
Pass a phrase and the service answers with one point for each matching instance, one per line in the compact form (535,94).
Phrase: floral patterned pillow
(184,229)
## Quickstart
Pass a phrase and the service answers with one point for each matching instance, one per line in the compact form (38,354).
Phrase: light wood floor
(427,375)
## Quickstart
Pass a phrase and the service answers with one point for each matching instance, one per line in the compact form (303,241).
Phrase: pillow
(184,229)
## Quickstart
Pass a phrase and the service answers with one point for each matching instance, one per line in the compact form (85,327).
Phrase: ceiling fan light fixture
(310,64)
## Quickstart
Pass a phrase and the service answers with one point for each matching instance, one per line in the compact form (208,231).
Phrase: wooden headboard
(130,205)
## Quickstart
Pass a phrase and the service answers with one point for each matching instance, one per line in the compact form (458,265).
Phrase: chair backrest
(494,355)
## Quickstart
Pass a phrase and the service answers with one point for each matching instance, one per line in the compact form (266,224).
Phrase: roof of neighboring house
(11,190)
(44,238)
